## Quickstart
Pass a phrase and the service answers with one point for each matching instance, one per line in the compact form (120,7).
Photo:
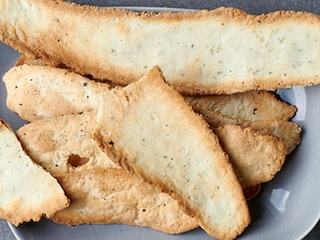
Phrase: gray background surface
(253,7)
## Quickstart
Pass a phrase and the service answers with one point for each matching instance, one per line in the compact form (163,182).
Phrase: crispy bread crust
(219,51)
(137,127)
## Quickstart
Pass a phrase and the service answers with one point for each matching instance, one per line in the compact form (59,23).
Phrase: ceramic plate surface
(287,208)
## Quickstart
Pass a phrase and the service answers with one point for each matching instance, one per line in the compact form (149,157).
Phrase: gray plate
(287,208)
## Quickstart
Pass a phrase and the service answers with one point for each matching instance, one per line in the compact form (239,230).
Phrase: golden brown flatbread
(47,78)
(288,132)
(149,129)
(100,191)
(208,52)
(37,92)
(54,92)
(256,158)
(27,191)
(106,196)
(249,106)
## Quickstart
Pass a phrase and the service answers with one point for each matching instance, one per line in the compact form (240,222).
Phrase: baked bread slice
(149,129)
(27,191)
(289,132)
(107,196)
(100,191)
(256,158)
(221,51)
(37,92)
(64,144)
(249,106)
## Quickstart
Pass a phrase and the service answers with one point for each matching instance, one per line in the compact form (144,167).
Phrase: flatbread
(288,132)
(27,191)
(100,191)
(151,131)
(47,78)
(37,92)
(208,52)
(56,92)
(57,143)
(256,158)
(107,196)
(249,106)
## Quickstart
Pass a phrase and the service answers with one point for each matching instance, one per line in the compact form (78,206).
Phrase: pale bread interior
(27,191)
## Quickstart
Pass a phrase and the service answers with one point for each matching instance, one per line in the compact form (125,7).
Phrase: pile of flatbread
(138,129)
(91,138)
